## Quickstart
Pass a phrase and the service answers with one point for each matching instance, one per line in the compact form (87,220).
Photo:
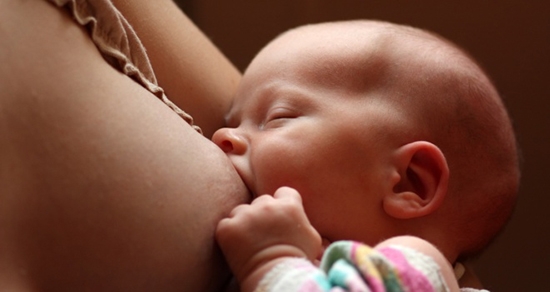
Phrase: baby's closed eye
(277,116)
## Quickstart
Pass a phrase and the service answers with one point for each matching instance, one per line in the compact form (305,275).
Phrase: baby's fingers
(238,210)
(288,193)
(261,200)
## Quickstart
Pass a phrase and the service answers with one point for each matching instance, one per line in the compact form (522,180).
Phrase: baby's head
(383,129)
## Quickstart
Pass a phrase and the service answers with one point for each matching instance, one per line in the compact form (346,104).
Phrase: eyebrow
(265,97)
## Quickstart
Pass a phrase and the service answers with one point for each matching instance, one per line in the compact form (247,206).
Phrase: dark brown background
(511,39)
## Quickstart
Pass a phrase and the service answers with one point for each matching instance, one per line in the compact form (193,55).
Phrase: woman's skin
(104,188)
(193,72)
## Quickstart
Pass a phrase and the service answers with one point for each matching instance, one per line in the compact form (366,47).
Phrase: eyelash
(278,114)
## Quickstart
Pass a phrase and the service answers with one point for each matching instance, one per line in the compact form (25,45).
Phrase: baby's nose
(230,141)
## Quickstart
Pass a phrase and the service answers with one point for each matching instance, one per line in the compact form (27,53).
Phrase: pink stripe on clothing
(411,278)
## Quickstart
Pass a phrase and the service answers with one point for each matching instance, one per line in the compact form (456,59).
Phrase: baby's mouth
(247,183)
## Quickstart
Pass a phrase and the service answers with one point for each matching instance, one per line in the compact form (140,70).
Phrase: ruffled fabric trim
(119,44)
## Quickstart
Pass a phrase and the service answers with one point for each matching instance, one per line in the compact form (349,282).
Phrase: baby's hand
(255,237)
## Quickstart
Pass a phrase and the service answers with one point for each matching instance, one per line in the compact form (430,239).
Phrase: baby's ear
(421,180)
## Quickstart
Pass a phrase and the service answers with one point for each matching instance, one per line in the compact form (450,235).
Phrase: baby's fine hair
(475,132)
(465,117)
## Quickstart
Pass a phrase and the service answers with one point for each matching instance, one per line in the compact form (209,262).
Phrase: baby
(381,131)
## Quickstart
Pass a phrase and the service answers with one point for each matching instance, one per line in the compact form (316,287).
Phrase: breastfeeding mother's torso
(103,186)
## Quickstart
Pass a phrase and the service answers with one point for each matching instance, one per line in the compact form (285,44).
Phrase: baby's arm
(275,230)
(425,248)
(258,236)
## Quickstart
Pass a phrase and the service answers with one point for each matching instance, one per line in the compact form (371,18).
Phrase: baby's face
(300,120)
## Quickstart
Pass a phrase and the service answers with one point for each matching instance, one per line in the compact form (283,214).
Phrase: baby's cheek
(273,168)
